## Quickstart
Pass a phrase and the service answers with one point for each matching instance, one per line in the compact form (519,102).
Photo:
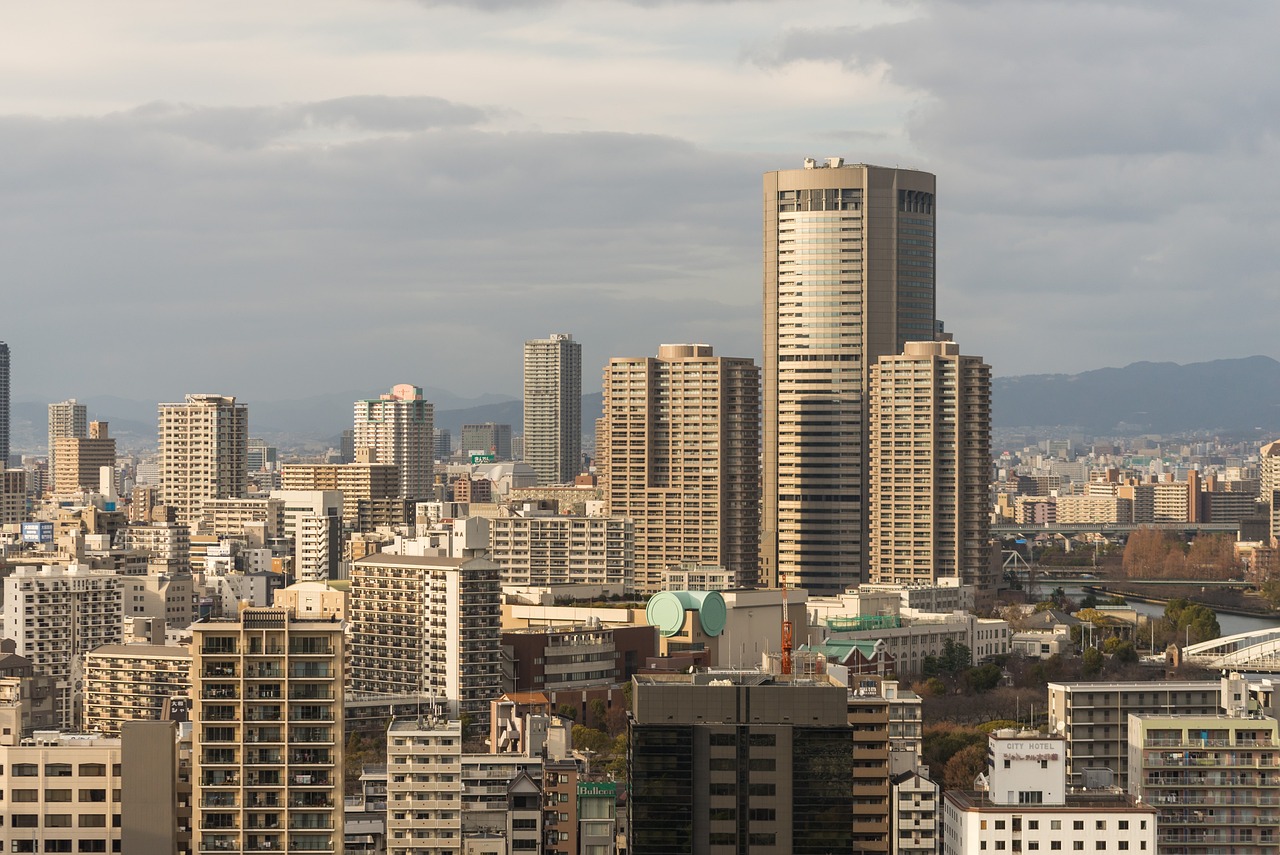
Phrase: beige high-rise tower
(399,428)
(681,458)
(202,453)
(930,456)
(67,419)
(268,711)
(848,278)
(553,408)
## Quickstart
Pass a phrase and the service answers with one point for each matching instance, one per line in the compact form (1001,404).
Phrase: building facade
(132,682)
(203,441)
(737,761)
(268,713)
(60,793)
(848,278)
(1212,779)
(553,408)
(427,624)
(487,439)
(398,428)
(356,481)
(56,615)
(1024,805)
(681,459)
(424,786)
(550,549)
(1093,717)
(930,467)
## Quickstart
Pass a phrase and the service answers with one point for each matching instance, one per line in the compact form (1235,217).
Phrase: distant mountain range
(1228,395)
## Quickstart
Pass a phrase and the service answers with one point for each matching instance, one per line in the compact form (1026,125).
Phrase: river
(1231,624)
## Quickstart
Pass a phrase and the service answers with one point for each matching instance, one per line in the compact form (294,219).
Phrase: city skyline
(356,175)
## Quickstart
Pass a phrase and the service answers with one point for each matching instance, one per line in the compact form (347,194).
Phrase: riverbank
(1216,604)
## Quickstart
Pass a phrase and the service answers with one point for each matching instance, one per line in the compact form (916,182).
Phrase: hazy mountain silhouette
(1146,397)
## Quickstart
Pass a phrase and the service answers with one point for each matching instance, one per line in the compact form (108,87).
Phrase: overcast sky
(279,199)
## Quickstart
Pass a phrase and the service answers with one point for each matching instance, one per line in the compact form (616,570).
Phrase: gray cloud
(1104,171)
(182,261)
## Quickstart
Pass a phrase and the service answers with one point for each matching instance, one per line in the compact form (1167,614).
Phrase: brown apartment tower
(848,278)
(681,456)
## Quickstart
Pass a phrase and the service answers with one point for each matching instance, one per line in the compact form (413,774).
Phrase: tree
(567,711)
(966,765)
(589,739)
(1147,553)
(599,712)
(983,678)
(1092,662)
(1090,601)
(1123,652)
(1191,622)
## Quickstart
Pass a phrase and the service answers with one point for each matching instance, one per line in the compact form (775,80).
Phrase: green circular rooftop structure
(666,610)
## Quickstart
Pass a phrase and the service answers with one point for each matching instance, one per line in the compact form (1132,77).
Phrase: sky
(277,200)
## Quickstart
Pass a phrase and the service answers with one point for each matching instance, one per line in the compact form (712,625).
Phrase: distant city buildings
(76,463)
(848,279)
(539,548)
(56,615)
(5,424)
(553,408)
(487,439)
(67,420)
(398,429)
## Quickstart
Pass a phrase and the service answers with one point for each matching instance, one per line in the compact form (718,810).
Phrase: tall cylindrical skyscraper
(848,278)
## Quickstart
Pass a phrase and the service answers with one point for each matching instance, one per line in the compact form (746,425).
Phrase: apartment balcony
(219,800)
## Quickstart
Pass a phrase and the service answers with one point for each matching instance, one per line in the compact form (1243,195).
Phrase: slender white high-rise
(553,408)
(848,278)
